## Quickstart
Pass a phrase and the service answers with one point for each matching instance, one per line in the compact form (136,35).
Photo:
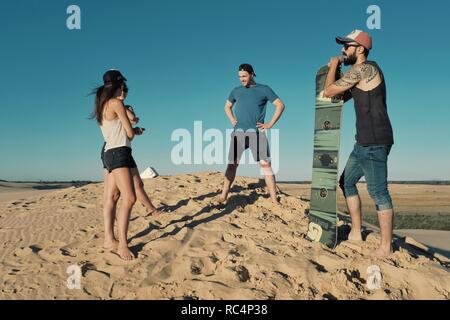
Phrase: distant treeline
(441,183)
(427,182)
(74,182)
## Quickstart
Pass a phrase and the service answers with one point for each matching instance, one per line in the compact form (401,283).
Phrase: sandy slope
(409,199)
(246,250)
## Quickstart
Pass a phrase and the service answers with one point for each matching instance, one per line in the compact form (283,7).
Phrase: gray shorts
(241,141)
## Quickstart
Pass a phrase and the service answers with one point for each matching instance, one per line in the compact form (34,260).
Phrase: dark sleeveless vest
(372,121)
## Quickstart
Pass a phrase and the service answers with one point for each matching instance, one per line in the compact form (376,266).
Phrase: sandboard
(322,215)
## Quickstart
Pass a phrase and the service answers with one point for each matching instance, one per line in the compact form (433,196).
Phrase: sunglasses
(346,46)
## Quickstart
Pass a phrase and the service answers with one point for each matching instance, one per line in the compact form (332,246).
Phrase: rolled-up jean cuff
(386,206)
(351,192)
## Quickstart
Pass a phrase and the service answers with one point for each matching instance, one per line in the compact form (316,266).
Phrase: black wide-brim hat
(113,76)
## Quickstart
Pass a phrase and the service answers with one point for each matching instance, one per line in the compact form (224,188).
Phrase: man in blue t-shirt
(249,102)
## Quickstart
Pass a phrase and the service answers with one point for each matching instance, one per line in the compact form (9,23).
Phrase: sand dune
(248,249)
(431,201)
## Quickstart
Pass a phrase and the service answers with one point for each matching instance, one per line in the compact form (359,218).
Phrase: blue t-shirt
(250,105)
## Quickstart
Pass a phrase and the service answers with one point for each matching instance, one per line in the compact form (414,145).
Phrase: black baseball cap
(113,76)
(247,67)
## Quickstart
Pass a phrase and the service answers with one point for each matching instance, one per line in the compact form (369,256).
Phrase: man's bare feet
(383,252)
(111,244)
(125,253)
(355,236)
(276,202)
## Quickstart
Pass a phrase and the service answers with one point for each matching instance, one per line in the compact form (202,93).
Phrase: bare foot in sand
(125,253)
(111,244)
(383,252)
(355,236)
(276,202)
(219,200)
(154,213)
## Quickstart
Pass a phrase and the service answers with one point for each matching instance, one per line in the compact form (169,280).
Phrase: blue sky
(180,58)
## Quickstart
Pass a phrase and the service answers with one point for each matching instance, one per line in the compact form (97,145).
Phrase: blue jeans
(370,162)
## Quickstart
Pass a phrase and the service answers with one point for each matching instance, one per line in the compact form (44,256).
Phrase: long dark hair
(103,94)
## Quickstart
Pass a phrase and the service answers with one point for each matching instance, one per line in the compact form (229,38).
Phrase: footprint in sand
(283,276)
(165,273)
(203,266)
(27,251)
(23,252)
(113,271)
(197,243)
(53,254)
(97,283)
(242,273)
(233,238)
(73,249)
(196,267)
(213,258)
(81,232)
(265,249)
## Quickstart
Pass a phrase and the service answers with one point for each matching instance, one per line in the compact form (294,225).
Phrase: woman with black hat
(111,115)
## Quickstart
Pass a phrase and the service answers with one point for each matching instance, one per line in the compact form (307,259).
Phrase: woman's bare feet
(125,253)
(111,244)
(219,200)
(154,213)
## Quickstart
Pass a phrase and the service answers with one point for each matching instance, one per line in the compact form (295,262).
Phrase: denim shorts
(118,158)
(370,162)
(102,156)
(255,141)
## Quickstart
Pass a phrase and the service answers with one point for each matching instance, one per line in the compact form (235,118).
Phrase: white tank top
(114,134)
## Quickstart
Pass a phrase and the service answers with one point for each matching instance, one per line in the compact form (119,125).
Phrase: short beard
(350,60)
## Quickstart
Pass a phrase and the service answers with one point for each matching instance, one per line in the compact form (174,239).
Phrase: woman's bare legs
(141,195)
(124,182)
(110,197)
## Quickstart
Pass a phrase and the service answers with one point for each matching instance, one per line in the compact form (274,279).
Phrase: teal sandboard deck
(322,215)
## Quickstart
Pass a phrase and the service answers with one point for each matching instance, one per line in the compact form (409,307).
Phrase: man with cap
(249,102)
(365,83)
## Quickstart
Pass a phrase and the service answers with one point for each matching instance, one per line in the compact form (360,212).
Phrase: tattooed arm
(356,74)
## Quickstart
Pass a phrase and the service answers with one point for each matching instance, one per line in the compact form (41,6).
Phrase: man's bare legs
(230,175)
(385,219)
(354,207)
(110,197)
(141,195)
(269,177)
(124,181)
